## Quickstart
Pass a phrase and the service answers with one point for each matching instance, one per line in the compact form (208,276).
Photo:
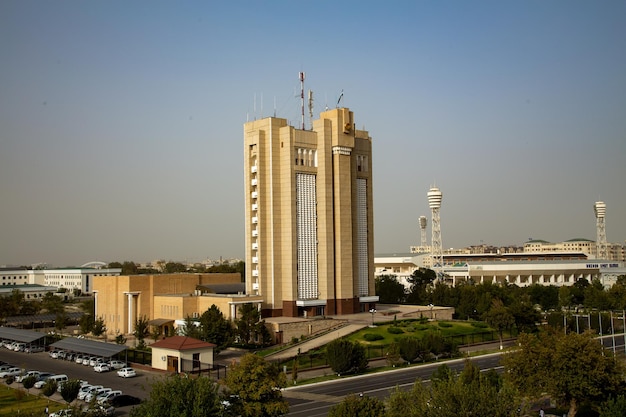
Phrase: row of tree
(472,300)
(573,369)
(163,267)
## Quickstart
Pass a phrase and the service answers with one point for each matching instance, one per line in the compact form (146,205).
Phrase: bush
(9,380)
(345,356)
(394,330)
(479,325)
(444,324)
(422,327)
(372,337)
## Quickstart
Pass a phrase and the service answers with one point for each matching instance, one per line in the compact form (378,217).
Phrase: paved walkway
(315,342)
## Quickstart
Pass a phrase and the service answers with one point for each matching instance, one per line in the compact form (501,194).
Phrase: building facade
(165,300)
(68,278)
(309,216)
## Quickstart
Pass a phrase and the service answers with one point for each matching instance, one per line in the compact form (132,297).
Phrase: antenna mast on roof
(311,108)
(301,76)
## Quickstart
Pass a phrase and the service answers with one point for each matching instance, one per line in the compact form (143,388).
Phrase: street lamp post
(372,311)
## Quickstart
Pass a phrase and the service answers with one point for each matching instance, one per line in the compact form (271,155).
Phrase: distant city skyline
(121,124)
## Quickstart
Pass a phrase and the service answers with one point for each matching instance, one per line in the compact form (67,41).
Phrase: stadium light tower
(423,222)
(600,209)
(436,248)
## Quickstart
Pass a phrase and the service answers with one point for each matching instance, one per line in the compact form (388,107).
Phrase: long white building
(68,278)
(522,269)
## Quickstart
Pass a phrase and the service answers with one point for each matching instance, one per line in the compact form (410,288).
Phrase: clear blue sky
(121,123)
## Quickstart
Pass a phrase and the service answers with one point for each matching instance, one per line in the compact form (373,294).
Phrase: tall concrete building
(309,216)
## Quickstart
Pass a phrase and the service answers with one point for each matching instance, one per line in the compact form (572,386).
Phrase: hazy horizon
(121,124)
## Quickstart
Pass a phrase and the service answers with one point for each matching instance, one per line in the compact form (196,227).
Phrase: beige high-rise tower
(309,216)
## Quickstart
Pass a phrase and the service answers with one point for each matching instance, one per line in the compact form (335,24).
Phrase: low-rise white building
(68,278)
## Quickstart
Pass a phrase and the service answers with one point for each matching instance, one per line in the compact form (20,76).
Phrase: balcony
(255,246)
(255,260)
(255,286)
(255,220)
(255,233)
(255,207)
(254,194)
(254,182)
(253,169)
(255,272)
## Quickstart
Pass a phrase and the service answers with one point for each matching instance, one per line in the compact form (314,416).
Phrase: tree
(361,406)
(180,396)
(174,267)
(216,329)
(249,316)
(345,356)
(389,290)
(410,348)
(190,328)
(572,368)
(53,304)
(393,355)
(454,396)
(49,388)
(614,407)
(29,382)
(420,279)
(98,327)
(499,318)
(256,385)
(142,329)
(70,389)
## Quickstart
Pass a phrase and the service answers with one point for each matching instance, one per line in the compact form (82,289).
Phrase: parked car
(33,349)
(43,377)
(101,367)
(79,359)
(127,373)
(19,347)
(117,364)
(11,372)
(83,392)
(124,400)
(62,413)
(95,394)
(6,367)
(105,398)
(26,374)
(99,410)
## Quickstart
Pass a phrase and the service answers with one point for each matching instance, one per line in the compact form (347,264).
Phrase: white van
(59,379)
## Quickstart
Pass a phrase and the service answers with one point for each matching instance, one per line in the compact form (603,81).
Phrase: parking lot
(137,386)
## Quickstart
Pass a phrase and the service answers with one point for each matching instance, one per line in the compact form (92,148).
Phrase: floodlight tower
(423,223)
(600,209)
(436,249)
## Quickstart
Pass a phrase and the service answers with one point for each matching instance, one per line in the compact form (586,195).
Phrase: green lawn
(417,328)
(14,402)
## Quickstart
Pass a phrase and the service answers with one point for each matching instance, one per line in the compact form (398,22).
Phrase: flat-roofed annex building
(309,216)
(164,299)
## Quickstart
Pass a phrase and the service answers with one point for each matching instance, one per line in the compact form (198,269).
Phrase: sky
(121,123)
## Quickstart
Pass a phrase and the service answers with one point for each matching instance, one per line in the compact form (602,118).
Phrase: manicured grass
(16,401)
(416,328)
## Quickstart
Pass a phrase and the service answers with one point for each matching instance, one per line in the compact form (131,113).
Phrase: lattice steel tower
(600,209)
(436,248)
(423,222)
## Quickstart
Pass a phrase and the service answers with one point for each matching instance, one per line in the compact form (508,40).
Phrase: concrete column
(130,313)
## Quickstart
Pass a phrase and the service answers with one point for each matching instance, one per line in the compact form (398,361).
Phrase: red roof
(182,343)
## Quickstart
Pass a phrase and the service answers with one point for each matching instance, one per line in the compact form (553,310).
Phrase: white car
(11,372)
(108,396)
(97,393)
(117,364)
(101,367)
(127,373)
(25,375)
(84,391)
(62,413)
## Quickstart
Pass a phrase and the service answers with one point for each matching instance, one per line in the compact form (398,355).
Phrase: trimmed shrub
(372,337)
(394,330)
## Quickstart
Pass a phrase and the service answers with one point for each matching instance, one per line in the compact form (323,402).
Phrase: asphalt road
(316,400)
(138,386)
